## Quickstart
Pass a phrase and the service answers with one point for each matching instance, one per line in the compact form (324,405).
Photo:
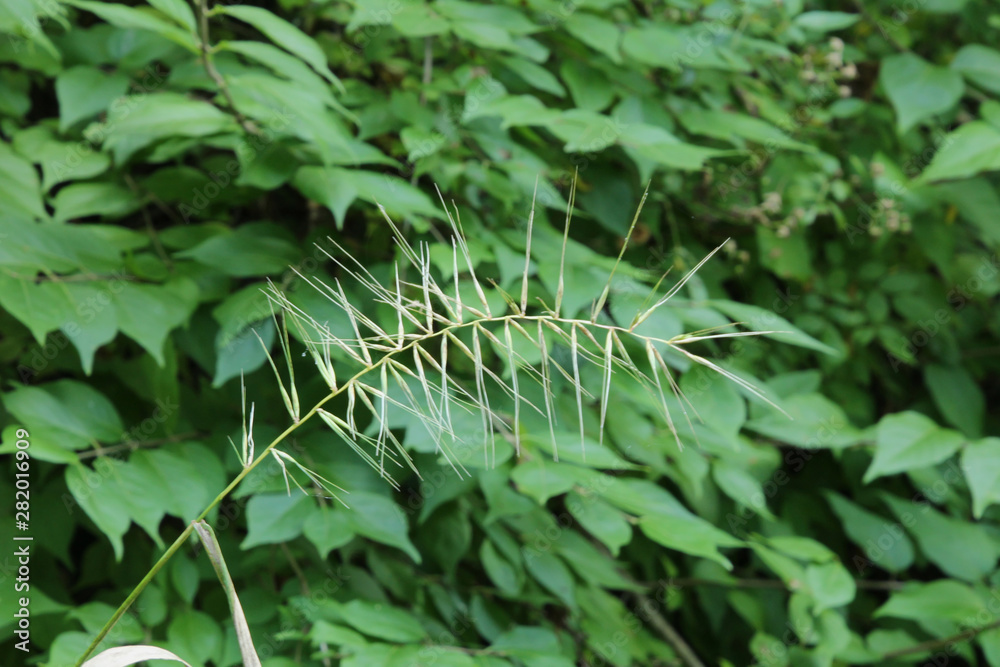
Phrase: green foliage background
(849,151)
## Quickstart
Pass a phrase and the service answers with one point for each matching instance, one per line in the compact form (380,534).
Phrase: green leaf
(731,127)
(989,641)
(590,90)
(600,520)
(788,569)
(500,572)
(140,19)
(588,563)
(448,536)
(976,200)
(60,161)
(191,475)
(635,496)
(74,414)
(533,646)
(179,11)
(484,34)
(327,188)
(335,634)
(601,35)
(383,621)
(108,200)
(979,65)
(185,578)
(20,191)
(830,585)
(691,535)
(22,21)
(917,89)
(668,46)
(909,440)
(41,307)
(803,548)
(534,75)
(740,485)
(337,188)
(273,518)
(571,449)
(943,599)
(508,18)
(102,500)
(195,635)
(243,354)
(84,91)
(328,530)
(285,35)
(981,465)
(957,396)
(148,313)
(816,423)
(542,479)
(515,110)
(821,21)
(393,193)
(755,318)
(972,148)
(500,497)
(659,147)
(378,518)
(144,498)
(882,541)
(288,66)
(136,122)
(961,549)
(583,131)
(549,571)
(789,257)
(241,309)
(416,20)
(250,250)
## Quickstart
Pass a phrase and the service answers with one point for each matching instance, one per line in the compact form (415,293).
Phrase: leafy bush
(176,178)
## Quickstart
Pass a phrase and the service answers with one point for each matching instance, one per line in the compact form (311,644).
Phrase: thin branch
(428,68)
(663,626)
(148,220)
(932,644)
(693,582)
(206,58)
(104,451)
